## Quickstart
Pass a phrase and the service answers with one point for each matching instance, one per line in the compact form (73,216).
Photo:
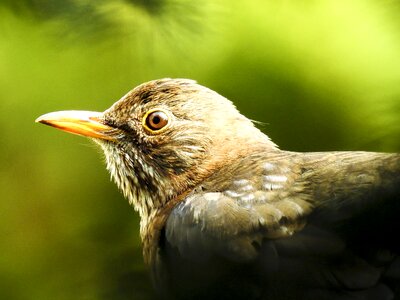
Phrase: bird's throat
(140,183)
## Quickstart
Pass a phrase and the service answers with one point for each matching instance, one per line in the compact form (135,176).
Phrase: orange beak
(86,123)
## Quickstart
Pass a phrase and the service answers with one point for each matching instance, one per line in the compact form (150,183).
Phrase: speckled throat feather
(140,183)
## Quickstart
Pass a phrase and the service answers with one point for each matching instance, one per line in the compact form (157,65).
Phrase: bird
(226,214)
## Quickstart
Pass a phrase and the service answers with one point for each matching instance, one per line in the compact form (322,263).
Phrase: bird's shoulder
(258,196)
(273,195)
(273,214)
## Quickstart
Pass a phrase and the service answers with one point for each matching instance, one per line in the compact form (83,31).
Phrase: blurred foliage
(322,75)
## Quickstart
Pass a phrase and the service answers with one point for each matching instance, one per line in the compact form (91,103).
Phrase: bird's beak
(86,123)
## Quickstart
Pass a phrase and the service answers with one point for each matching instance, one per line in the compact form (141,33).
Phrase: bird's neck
(140,183)
(152,191)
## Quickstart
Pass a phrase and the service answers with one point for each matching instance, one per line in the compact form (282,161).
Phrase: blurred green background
(321,75)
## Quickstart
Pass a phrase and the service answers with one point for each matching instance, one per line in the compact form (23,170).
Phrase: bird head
(163,138)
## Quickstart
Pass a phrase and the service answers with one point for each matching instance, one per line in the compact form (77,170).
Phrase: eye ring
(156,120)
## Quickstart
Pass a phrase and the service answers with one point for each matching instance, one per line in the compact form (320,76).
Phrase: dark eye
(156,120)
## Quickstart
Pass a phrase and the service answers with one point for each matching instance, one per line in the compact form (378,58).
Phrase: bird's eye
(155,120)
